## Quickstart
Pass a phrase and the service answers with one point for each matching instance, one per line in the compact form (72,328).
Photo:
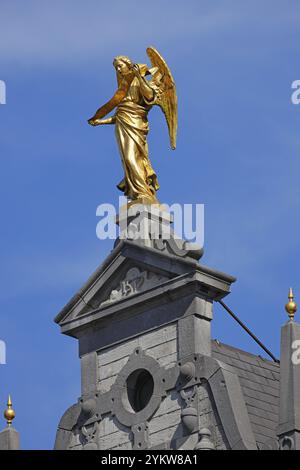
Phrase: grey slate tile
(259,379)
(254,411)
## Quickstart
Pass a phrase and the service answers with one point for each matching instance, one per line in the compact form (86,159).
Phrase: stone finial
(289,401)
(291,306)
(9,437)
(9,413)
(205,442)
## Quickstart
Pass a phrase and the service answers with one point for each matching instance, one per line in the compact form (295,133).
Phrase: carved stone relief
(134,281)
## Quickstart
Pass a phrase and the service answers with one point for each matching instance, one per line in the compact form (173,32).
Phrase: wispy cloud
(66,31)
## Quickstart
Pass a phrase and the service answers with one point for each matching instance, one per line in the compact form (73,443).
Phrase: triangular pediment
(127,271)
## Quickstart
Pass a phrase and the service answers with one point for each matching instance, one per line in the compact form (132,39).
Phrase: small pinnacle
(291,306)
(9,413)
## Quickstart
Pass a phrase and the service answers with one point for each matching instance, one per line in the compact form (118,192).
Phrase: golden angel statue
(133,100)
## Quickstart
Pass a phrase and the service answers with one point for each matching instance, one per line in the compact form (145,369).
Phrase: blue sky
(238,153)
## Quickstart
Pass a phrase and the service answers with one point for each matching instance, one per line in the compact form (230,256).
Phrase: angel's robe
(131,128)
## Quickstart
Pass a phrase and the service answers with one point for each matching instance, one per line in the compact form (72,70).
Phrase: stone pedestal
(289,410)
(142,322)
(9,439)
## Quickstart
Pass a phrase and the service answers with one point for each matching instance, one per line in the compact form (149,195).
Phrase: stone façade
(152,378)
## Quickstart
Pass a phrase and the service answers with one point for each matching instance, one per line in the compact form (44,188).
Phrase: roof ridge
(247,353)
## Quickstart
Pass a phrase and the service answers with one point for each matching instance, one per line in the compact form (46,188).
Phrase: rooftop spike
(9,413)
(291,306)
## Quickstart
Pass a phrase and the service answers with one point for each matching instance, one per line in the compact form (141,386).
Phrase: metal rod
(248,331)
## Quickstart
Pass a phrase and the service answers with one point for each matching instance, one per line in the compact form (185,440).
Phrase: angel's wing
(167,97)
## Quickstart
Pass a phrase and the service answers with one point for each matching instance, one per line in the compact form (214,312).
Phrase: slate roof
(259,379)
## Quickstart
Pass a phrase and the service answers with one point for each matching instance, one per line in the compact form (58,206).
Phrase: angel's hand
(102,122)
(136,70)
(94,122)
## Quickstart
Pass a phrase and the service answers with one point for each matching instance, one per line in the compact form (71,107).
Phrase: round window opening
(139,390)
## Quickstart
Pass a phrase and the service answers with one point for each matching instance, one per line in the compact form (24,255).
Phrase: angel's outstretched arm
(111,104)
(107,107)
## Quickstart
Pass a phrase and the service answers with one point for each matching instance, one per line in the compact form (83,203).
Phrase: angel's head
(122,64)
